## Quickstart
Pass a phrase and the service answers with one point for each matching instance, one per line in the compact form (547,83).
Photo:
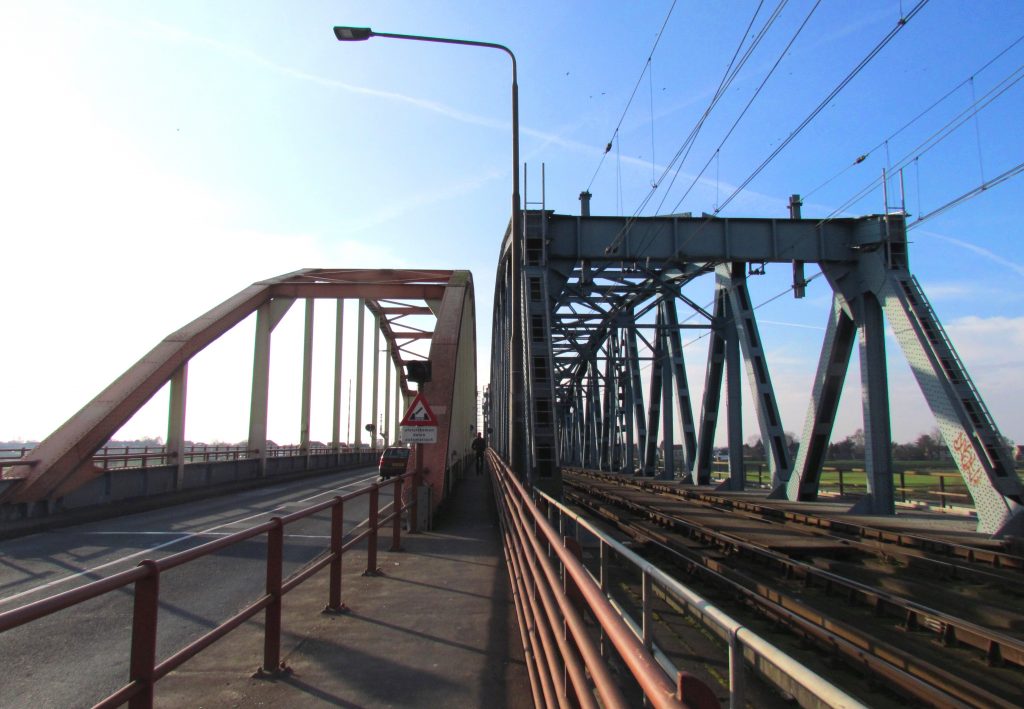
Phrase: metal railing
(122,457)
(563,657)
(537,543)
(144,669)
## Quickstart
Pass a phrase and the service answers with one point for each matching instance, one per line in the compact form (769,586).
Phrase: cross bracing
(605,300)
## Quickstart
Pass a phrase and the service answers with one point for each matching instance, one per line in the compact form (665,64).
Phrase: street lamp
(516,437)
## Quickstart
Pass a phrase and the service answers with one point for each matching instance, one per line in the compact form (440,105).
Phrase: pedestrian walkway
(437,628)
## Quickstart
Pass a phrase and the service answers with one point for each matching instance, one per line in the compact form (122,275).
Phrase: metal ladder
(540,412)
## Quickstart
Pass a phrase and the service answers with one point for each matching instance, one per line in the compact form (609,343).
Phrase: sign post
(419,426)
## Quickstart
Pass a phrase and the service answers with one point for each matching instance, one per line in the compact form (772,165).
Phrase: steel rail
(966,552)
(907,672)
(717,620)
(949,628)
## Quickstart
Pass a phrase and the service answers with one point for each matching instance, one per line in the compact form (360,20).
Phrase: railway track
(921,617)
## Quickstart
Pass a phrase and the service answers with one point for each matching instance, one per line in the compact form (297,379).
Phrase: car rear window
(396,453)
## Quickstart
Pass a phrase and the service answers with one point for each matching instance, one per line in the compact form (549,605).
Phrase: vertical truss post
(375,378)
(608,418)
(636,394)
(712,388)
(593,453)
(733,400)
(176,424)
(668,438)
(307,379)
(626,387)
(833,364)
(683,401)
(773,436)
(875,393)
(396,415)
(339,335)
(386,433)
(360,346)
(579,426)
(268,316)
(654,408)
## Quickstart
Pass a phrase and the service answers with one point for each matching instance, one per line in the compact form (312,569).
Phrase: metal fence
(118,457)
(556,556)
(144,669)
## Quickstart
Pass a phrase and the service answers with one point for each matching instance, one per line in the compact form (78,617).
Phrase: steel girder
(610,279)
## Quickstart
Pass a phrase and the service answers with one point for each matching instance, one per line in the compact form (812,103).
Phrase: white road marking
(181,538)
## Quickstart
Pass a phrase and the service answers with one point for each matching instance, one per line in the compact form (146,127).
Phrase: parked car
(393,461)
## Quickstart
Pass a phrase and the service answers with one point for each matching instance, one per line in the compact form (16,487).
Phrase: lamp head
(352,34)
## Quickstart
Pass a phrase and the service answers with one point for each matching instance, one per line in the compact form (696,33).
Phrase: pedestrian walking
(479,446)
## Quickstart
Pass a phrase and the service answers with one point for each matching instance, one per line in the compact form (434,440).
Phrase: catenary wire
(632,95)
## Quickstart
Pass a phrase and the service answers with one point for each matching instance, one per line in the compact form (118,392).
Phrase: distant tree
(850,448)
(929,445)
(753,448)
(792,442)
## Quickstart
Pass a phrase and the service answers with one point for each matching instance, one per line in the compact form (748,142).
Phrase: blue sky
(159,157)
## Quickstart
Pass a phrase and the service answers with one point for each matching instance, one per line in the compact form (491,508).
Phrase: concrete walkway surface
(437,628)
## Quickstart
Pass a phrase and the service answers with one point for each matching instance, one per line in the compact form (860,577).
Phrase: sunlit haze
(157,158)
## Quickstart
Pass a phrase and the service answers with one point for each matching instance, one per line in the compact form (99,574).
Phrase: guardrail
(121,457)
(563,658)
(145,671)
(536,547)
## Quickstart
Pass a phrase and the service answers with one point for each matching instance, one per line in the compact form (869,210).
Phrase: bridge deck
(436,628)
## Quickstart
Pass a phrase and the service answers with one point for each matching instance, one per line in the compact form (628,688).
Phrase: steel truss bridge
(601,297)
(419,314)
(588,305)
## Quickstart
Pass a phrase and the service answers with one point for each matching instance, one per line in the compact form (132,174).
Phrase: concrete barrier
(124,491)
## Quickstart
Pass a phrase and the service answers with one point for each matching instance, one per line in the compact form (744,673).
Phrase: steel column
(339,337)
(833,364)
(307,378)
(683,402)
(712,388)
(875,391)
(268,316)
(357,434)
(375,391)
(176,424)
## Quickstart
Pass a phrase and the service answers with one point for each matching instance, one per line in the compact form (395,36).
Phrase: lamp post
(516,437)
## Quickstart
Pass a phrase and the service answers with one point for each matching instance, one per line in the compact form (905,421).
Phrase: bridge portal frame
(62,462)
(599,275)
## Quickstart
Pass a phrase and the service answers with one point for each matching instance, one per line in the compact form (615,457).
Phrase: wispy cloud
(790,324)
(546,138)
(979,250)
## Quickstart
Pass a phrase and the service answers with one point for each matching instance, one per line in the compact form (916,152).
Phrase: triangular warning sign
(419,413)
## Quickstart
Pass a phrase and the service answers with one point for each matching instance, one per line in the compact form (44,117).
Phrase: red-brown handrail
(145,671)
(557,641)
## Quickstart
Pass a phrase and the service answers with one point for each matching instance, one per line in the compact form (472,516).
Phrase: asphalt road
(79,656)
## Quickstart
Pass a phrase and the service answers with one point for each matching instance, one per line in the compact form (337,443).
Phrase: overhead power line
(731,71)
(756,93)
(861,158)
(940,135)
(828,99)
(636,86)
(984,186)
